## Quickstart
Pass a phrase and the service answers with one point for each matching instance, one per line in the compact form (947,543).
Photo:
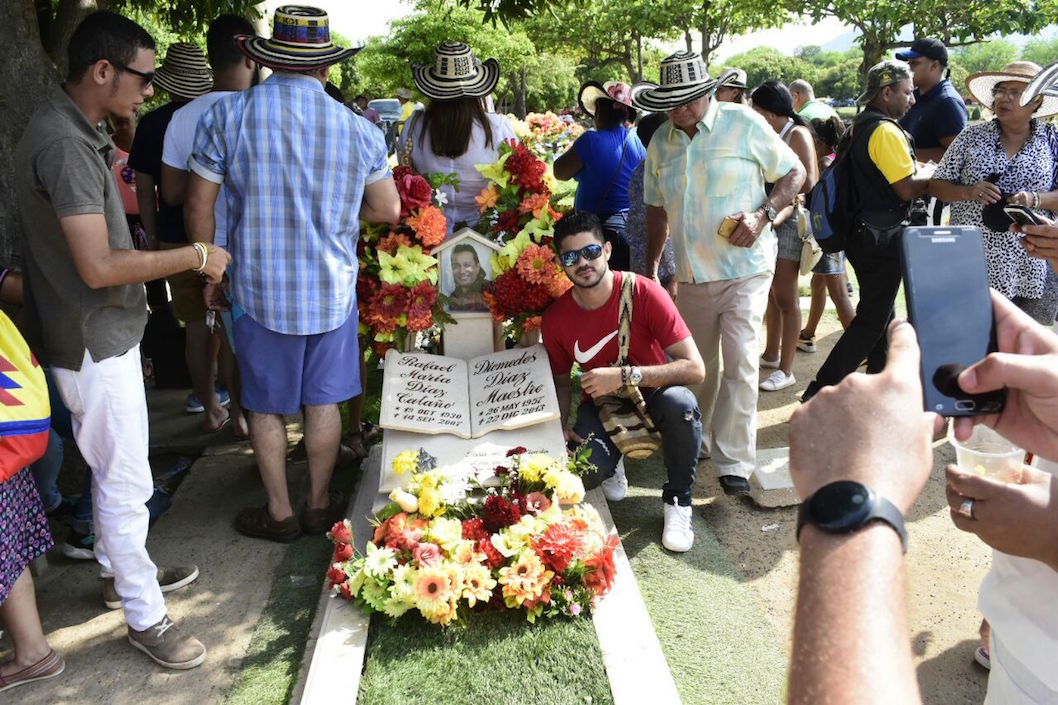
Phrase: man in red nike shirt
(581,327)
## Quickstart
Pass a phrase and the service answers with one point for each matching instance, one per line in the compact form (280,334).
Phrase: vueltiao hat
(456,73)
(683,78)
(300,41)
(184,72)
(981,84)
(616,91)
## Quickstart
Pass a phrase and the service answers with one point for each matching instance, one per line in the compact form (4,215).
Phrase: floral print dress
(24,533)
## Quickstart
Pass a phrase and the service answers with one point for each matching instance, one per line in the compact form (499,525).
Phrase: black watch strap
(845,506)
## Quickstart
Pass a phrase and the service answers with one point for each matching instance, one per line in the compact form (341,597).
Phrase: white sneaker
(778,380)
(615,488)
(769,364)
(677,536)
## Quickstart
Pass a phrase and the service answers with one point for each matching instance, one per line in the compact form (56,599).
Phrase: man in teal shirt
(708,164)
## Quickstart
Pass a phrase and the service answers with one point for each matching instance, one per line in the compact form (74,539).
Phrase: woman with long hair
(772,100)
(454,132)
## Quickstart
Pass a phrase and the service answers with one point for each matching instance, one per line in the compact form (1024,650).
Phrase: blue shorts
(830,264)
(281,373)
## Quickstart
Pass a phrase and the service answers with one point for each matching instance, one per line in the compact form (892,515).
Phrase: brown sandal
(257,523)
(317,522)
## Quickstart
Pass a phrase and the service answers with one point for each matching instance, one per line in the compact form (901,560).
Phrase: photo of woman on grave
(469,278)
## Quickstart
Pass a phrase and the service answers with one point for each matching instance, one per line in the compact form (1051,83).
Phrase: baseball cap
(884,73)
(926,47)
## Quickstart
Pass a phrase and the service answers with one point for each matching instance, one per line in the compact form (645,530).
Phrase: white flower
(379,561)
(440,198)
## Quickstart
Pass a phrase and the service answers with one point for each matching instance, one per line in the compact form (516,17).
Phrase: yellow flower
(430,504)
(533,467)
(477,584)
(495,172)
(567,487)
(406,462)
(443,614)
(525,580)
(447,533)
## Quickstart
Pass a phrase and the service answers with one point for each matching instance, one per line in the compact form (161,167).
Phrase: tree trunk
(687,38)
(639,59)
(67,16)
(26,77)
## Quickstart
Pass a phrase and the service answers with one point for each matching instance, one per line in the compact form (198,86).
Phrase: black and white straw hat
(301,41)
(456,73)
(683,78)
(184,73)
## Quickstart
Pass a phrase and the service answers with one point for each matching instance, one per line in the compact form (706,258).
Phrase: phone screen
(946,285)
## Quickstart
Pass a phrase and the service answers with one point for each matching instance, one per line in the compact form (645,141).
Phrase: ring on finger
(966,508)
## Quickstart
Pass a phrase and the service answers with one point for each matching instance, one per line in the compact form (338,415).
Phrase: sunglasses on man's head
(588,252)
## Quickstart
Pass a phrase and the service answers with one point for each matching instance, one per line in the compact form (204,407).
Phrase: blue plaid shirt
(294,163)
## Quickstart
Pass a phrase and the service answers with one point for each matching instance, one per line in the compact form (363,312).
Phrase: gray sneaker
(169,579)
(163,643)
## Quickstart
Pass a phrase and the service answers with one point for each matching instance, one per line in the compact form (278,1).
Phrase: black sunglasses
(146,76)
(588,252)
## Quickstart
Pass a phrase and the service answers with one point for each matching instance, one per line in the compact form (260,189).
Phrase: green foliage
(764,63)
(552,85)
(1041,51)
(984,56)
(188,18)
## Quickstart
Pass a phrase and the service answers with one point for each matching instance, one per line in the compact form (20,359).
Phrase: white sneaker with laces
(615,488)
(678,535)
(778,380)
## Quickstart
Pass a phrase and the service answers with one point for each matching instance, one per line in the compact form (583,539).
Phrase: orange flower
(536,264)
(487,198)
(391,242)
(432,589)
(430,225)
(559,285)
(535,203)
(524,581)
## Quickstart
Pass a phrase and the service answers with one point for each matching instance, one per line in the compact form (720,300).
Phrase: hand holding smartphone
(727,227)
(948,303)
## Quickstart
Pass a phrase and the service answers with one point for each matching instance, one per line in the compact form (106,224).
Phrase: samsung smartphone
(946,285)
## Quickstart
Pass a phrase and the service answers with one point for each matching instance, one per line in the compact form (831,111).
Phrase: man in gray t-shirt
(85,309)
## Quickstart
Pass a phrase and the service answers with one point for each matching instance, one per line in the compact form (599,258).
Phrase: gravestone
(770,484)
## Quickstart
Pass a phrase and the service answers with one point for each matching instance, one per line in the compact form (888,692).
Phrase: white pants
(109,412)
(724,318)
(1010,683)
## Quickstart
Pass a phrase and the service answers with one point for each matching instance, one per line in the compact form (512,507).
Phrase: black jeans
(875,255)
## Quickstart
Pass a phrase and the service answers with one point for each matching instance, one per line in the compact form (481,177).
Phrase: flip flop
(219,427)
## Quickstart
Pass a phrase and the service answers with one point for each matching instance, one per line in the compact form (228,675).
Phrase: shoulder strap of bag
(624,328)
(617,171)
(1052,140)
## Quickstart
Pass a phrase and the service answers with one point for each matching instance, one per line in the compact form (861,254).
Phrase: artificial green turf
(719,645)
(497,658)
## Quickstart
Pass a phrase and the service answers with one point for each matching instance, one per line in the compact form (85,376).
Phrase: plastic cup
(987,454)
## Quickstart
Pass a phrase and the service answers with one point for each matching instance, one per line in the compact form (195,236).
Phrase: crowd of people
(691,196)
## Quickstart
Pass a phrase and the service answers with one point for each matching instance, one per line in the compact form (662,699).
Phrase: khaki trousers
(724,318)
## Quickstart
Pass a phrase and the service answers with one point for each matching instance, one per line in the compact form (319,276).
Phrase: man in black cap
(939,113)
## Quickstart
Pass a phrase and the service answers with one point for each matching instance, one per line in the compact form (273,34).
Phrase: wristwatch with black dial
(846,506)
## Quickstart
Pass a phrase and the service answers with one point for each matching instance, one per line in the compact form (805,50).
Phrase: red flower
(499,513)
(507,222)
(346,592)
(366,288)
(526,169)
(601,572)
(427,553)
(510,295)
(517,450)
(474,529)
(390,528)
(387,306)
(415,192)
(494,558)
(420,306)
(558,545)
(340,532)
(336,575)
(342,552)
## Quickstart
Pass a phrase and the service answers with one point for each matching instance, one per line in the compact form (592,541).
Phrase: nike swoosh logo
(587,356)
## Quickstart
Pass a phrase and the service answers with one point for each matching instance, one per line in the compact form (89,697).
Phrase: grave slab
(770,484)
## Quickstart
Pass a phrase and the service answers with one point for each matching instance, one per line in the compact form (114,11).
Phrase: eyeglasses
(1013,94)
(588,252)
(146,76)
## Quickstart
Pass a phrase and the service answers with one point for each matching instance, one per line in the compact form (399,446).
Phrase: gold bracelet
(203,253)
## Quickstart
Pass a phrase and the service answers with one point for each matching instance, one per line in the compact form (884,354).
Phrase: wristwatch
(635,376)
(769,212)
(846,506)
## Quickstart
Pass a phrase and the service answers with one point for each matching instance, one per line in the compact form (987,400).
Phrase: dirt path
(945,566)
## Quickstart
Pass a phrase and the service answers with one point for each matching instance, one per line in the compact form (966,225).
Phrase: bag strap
(617,171)
(624,328)
(1052,139)
(409,140)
